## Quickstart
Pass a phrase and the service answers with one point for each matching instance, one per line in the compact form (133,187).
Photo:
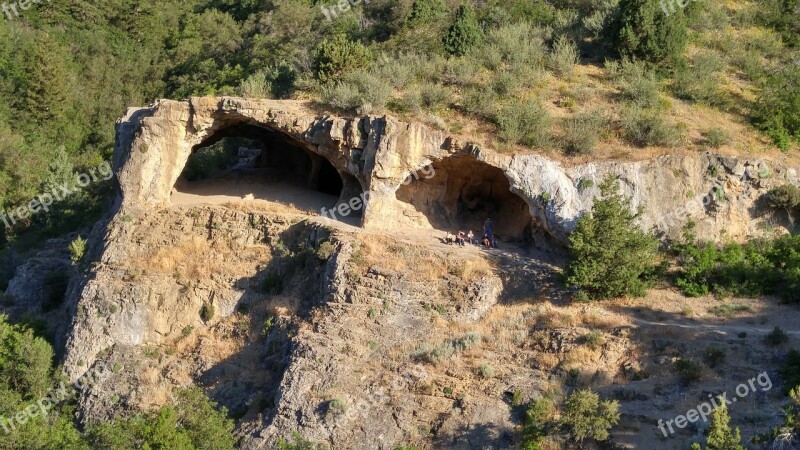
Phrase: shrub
(642,30)
(700,82)
(426,11)
(729,310)
(638,84)
(688,371)
(516,44)
(777,108)
(77,249)
(594,339)
(586,416)
(326,250)
(192,422)
(207,312)
(272,284)
(776,337)
(790,371)
(465,32)
(609,253)
(564,57)
(485,370)
(713,356)
(717,137)
(538,417)
(336,407)
(360,91)
(785,197)
(526,123)
(335,57)
(760,267)
(720,434)
(582,131)
(645,127)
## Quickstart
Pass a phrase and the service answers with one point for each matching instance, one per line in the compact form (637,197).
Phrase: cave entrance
(460,193)
(250,162)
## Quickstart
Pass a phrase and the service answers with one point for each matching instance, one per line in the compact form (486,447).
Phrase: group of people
(460,238)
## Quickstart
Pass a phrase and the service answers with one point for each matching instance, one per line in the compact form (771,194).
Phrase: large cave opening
(460,193)
(252,162)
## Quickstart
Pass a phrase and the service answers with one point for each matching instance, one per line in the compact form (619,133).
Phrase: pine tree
(47,95)
(465,32)
(720,435)
(609,252)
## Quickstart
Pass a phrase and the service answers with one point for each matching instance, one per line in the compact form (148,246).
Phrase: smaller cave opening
(460,193)
(248,161)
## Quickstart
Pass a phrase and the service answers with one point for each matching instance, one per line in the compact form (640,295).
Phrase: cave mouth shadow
(252,161)
(462,192)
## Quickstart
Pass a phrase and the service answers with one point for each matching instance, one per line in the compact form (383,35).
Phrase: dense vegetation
(27,376)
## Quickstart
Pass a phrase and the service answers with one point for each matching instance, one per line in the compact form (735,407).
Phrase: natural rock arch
(280,161)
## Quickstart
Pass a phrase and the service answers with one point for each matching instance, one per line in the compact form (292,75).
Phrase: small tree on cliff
(609,252)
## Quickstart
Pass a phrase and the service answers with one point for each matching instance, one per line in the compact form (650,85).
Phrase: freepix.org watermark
(11,12)
(342,6)
(43,406)
(704,410)
(357,203)
(43,201)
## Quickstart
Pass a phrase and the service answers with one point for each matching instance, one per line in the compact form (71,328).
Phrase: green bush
(776,337)
(636,82)
(563,58)
(77,249)
(641,30)
(777,108)
(516,44)
(526,123)
(586,416)
(426,11)
(648,127)
(207,312)
(700,82)
(760,267)
(713,356)
(335,57)
(360,91)
(582,131)
(465,32)
(717,137)
(609,253)
(785,197)
(193,422)
(538,422)
(688,371)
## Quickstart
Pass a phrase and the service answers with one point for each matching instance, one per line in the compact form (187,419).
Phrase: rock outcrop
(377,155)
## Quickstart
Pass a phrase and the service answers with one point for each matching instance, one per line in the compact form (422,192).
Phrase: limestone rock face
(377,155)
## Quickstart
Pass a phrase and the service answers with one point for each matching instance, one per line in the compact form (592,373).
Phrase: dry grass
(197,258)
(420,263)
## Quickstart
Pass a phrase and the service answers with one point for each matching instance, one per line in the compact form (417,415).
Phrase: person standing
(488,227)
